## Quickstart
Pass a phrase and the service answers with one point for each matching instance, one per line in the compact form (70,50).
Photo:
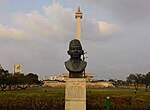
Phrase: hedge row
(96,102)
(57,102)
(32,102)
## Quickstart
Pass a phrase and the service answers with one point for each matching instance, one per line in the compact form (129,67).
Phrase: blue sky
(115,34)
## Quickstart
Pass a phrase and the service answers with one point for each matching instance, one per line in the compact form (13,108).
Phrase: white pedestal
(75,94)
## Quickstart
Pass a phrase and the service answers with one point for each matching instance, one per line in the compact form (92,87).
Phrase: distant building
(51,83)
(60,79)
(54,78)
(100,84)
(17,69)
(88,76)
(64,76)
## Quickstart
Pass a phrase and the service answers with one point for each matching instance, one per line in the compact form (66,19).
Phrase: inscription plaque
(75,94)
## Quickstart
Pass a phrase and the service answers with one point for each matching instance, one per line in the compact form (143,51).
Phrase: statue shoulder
(84,62)
(67,63)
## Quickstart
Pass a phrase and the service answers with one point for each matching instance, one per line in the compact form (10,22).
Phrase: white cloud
(106,28)
(54,22)
(58,22)
(33,22)
(59,17)
(10,32)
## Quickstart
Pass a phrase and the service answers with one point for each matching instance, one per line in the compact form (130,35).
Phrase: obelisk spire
(78,16)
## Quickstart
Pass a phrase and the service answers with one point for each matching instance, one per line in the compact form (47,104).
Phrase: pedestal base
(75,94)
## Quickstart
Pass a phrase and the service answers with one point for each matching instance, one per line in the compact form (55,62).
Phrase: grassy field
(43,99)
(54,99)
(120,99)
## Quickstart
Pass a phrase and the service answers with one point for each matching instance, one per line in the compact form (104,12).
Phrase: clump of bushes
(32,102)
(98,102)
(55,100)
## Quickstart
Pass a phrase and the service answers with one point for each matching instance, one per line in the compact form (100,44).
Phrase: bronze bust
(75,65)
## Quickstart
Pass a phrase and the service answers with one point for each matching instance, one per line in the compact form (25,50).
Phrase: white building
(17,69)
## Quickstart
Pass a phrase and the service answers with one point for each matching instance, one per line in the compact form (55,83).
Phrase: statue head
(75,49)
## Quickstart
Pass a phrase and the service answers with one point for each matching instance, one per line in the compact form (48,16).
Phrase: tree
(147,81)
(3,78)
(10,81)
(120,82)
(17,80)
(21,81)
(32,78)
(135,79)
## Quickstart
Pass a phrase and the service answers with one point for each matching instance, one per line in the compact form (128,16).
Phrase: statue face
(75,49)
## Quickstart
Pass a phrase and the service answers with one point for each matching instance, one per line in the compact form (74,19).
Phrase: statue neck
(78,59)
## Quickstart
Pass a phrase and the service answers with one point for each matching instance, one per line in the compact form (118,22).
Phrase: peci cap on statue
(75,42)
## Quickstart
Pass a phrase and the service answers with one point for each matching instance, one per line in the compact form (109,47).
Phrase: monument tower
(78,16)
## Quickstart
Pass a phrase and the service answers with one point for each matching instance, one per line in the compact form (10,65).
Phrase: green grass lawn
(54,99)
(120,99)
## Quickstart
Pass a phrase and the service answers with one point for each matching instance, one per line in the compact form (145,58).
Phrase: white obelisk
(78,16)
